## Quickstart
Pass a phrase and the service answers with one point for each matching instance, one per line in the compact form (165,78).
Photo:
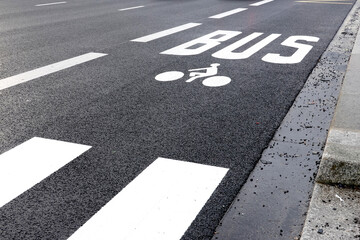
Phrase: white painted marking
(27,164)
(216,81)
(169,76)
(202,44)
(39,72)
(198,72)
(228,52)
(261,3)
(298,56)
(167,32)
(48,4)
(228,13)
(159,204)
(130,8)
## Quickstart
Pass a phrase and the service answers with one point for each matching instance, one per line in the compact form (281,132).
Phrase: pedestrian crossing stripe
(160,203)
(29,163)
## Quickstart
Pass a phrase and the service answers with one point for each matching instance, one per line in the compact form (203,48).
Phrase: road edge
(334,211)
(341,159)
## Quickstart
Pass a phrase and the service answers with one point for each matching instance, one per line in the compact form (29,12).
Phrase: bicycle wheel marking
(169,76)
(216,81)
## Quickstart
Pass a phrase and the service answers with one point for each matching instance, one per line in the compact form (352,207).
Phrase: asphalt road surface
(142,119)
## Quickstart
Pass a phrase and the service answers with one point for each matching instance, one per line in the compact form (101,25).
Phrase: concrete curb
(334,212)
(341,158)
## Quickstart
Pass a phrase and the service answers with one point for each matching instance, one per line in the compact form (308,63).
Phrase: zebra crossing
(160,203)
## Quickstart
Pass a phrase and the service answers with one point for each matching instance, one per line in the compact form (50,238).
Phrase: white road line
(228,13)
(39,72)
(48,4)
(27,164)
(261,3)
(130,8)
(159,204)
(167,32)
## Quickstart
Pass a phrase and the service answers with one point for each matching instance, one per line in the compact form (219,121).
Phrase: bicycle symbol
(211,80)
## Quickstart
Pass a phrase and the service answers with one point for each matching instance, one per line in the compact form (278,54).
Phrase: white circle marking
(169,76)
(216,81)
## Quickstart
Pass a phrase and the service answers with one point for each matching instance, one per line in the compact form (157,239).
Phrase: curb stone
(341,159)
(334,212)
(340,163)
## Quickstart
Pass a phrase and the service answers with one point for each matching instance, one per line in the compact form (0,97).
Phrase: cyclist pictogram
(211,80)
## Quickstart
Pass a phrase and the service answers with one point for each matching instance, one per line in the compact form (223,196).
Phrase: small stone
(265,161)
(320,231)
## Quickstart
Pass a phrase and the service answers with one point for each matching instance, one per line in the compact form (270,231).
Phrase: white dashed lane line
(228,13)
(167,32)
(48,4)
(261,3)
(130,8)
(43,71)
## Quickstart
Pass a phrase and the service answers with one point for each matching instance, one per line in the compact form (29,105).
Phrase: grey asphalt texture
(114,104)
